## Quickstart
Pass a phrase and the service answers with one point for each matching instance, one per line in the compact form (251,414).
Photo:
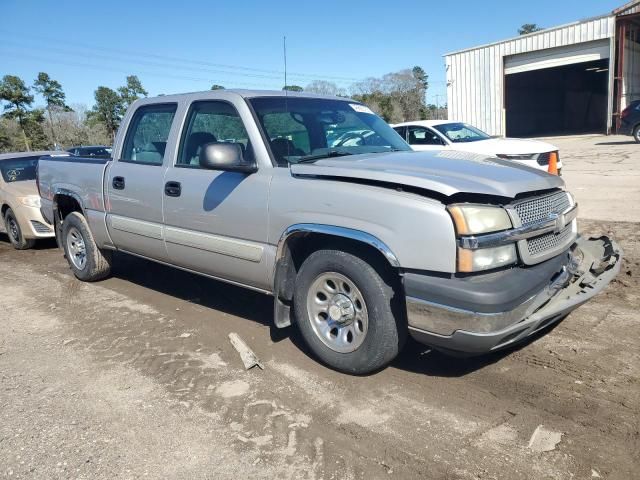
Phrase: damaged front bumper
(485,313)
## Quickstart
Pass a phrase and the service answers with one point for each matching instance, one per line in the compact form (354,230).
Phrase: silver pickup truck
(318,202)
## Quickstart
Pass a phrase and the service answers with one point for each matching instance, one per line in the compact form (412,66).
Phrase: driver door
(215,222)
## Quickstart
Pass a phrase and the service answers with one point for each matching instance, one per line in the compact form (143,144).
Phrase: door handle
(172,189)
(118,183)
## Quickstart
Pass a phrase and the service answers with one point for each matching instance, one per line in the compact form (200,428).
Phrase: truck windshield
(302,130)
(19,169)
(461,132)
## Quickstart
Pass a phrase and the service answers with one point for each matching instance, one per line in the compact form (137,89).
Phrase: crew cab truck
(359,245)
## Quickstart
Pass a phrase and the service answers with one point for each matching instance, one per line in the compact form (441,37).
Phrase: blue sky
(189,45)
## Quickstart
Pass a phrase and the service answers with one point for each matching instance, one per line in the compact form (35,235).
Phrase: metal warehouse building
(574,78)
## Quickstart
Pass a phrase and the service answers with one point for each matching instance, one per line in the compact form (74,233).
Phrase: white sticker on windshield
(361,108)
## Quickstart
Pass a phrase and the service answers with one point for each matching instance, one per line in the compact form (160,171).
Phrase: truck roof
(226,93)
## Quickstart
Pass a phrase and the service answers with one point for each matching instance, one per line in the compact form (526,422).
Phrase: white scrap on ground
(249,359)
(544,440)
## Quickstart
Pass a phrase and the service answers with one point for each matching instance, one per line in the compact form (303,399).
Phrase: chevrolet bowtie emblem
(560,222)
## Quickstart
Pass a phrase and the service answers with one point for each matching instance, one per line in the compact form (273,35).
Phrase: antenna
(284,52)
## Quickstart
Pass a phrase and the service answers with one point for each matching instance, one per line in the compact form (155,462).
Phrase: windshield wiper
(320,156)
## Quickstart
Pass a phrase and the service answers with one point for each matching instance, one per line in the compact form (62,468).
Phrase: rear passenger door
(135,182)
(216,221)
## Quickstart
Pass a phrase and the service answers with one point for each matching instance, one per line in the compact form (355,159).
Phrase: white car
(449,135)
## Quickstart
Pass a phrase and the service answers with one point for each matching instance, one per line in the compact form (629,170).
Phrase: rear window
(148,132)
(19,169)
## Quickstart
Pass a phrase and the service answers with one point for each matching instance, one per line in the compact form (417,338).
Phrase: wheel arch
(65,202)
(291,252)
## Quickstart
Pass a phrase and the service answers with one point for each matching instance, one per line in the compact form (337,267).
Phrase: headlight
(31,201)
(476,219)
(486,258)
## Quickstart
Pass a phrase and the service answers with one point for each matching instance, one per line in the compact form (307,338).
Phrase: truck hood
(446,172)
(511,146)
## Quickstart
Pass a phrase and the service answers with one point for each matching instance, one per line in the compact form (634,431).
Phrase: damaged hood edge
(447,173)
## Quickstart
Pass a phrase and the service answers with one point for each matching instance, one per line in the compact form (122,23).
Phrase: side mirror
(227,157)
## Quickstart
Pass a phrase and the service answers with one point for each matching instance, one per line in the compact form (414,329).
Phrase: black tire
(14,232)
(636,133)
(387,328)
(97,264)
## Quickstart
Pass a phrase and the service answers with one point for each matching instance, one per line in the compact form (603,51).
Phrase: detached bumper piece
(484,313)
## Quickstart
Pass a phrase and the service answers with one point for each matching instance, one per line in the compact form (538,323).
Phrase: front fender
(411,230)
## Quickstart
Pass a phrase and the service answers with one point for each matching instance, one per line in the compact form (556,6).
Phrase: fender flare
(350,233)
(283,265)
(67,193)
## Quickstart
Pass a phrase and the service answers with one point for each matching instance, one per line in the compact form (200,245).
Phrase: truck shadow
(194,288)
(257,307)
(419,358)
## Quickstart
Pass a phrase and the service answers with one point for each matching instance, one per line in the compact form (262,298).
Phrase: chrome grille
(549,241)
(539,208)
(40,227)
(542,247)
(543,158)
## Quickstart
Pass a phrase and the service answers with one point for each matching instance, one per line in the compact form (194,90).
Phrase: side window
(423,136)
(147,135)
(402,131)
(211,122)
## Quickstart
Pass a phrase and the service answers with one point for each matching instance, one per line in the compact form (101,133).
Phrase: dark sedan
(91,151)
(630,120)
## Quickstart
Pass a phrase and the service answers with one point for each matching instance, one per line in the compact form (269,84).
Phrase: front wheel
(86,260)
(348,312)
(16,237)
(636,134)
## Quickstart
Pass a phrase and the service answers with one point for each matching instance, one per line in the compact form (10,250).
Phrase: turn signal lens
(486,258)
(553,163)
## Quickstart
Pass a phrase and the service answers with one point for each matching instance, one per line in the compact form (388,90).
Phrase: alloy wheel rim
(14,231)
(337,312)
(76,248)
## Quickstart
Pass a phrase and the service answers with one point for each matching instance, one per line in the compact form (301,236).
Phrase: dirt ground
(135,377)
(604,175)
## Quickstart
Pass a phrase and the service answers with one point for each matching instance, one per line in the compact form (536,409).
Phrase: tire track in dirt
(319,425)
(139,336)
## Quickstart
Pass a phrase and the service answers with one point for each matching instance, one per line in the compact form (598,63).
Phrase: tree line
(397,96)
(24,127)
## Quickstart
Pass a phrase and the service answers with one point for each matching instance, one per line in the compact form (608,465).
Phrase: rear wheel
(86,260)
(348,312)
(636,133)
(15,232)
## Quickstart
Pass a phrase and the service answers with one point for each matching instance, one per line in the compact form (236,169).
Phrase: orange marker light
(553,163)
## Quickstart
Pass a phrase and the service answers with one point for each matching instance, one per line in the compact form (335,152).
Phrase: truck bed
(80,177)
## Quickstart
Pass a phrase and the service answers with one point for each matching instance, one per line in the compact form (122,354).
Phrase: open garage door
(557,91)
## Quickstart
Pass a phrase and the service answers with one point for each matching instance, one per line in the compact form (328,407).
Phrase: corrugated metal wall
(475,77)
(628,9)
